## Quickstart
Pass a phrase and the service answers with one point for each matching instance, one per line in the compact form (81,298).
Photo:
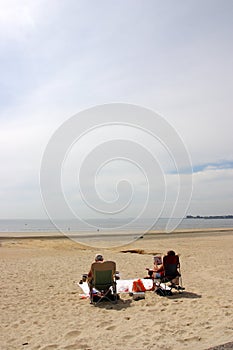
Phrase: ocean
(27,226)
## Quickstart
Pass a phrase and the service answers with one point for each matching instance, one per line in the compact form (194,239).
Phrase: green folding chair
(103,282)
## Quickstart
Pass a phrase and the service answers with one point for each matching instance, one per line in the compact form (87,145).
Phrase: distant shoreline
(210,217)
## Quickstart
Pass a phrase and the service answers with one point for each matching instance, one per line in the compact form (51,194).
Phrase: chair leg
(91,294)
(114,292)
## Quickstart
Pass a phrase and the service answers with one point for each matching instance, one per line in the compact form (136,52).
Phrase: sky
(59,58)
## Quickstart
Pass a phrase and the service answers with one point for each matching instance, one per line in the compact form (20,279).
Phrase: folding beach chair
(172,275)
(103,283)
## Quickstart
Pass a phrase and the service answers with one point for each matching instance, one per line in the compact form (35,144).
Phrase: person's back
(171,263)
(98,259)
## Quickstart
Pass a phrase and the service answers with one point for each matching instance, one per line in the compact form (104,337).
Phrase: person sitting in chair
(102,280)
(168,271)
(98,259)
(171,265)
(158,270)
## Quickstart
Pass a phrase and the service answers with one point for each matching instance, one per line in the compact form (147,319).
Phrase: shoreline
(38,235)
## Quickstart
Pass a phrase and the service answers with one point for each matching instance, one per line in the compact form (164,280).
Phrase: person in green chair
(98,259)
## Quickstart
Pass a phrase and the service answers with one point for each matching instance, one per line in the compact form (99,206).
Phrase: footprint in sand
(50,347)
(111,328)
(72,334)
(104,323)
(76,347)
(71,347)
(191,338)
(128,337)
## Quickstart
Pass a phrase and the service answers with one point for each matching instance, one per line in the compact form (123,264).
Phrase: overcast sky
(61,57)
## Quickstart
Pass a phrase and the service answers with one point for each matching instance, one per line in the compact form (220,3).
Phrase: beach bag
(163,292)
(138,286)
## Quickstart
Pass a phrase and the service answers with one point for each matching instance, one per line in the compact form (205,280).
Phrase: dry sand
(41,307)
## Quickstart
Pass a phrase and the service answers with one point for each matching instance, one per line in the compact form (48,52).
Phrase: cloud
(212,192)
(58,58)
(213,166)
(16,20)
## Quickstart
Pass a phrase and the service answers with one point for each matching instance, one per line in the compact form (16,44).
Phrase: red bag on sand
(138,286)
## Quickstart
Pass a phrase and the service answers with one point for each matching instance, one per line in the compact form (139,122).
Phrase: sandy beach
(41,306)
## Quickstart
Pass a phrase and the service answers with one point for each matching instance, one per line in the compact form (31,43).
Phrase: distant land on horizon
(209,217)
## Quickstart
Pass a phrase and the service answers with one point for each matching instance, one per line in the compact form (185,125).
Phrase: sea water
(94,225)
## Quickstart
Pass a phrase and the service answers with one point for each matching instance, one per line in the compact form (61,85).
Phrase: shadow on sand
(185,294)
(120,305)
